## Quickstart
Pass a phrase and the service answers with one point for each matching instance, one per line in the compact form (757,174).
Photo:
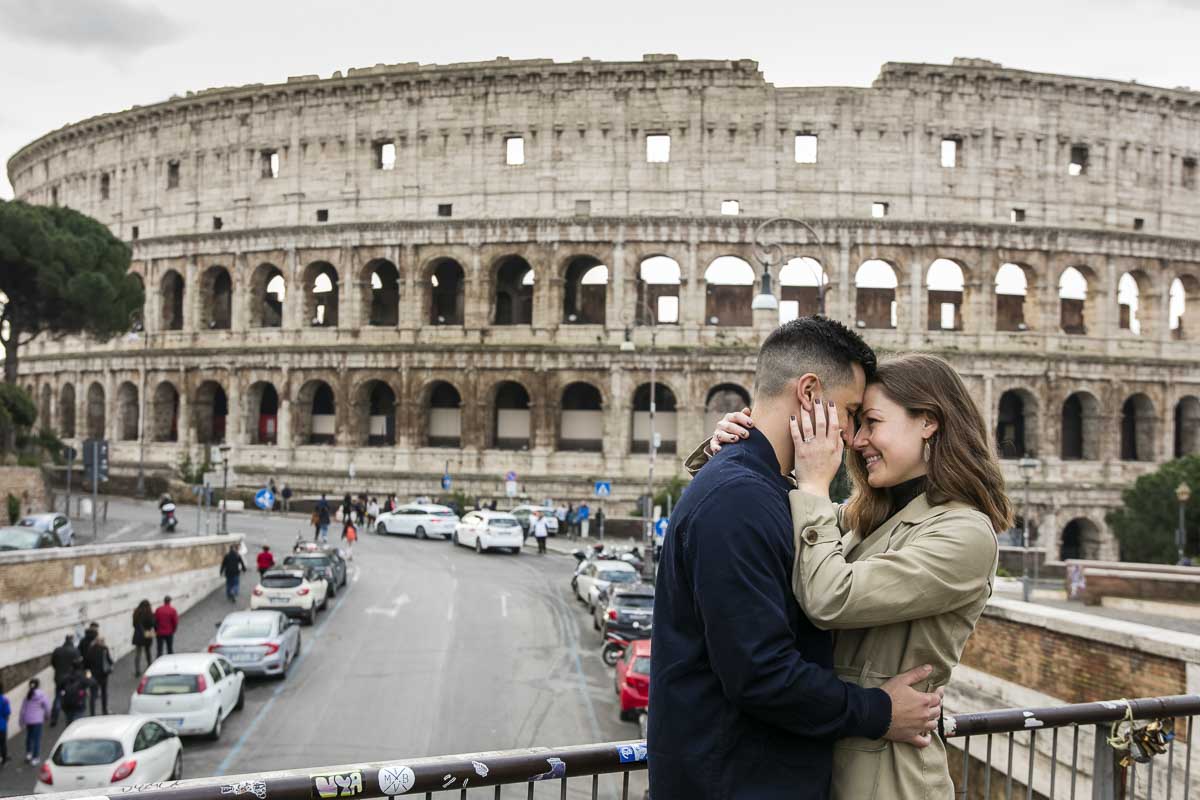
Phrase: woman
(903,571)
(5,713)
(99,662)
(34,709)
(143,635)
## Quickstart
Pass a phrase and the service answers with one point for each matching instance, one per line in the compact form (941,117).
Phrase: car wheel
(381,529)
(215,733)
(421,532)
(627,715)
(177,770)
(241,701)
(478,546)
(516,551)
(454,537)
(595,624)
(312,614)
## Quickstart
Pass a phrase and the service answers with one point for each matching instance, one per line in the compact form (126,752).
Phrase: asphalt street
(434,650)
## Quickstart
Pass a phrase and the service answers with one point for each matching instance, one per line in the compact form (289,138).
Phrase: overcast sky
(65,60)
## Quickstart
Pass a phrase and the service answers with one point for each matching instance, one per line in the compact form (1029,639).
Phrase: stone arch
(447,285)
(216,298)
(659,278)
(1017,424)
(512,299)
(268,290)
(96,410)
(1183,309)
(585,291)
(720,400)
(728,292)
(164,413)
(800,284)
(1012,297)
(262,413)
(1137,428)
(375,413)
(45,401)
(1081,427)
(381,295)
(210,413)
(581,425)
(66,411)
(127,412)
(1076,299)
(511,417)
(666,423)
(1187,426)
(875,285)
(1081,539)
(321,295)
(945,290)
(443,410)
(171,291)
(317,412)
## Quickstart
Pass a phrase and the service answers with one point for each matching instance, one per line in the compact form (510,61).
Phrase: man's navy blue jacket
(744,702)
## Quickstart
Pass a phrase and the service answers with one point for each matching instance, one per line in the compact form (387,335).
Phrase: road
(434,650)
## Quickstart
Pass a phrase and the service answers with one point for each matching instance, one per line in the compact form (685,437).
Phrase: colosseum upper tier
(409,270)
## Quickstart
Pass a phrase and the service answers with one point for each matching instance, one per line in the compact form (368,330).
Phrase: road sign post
(264,499)
(603,489)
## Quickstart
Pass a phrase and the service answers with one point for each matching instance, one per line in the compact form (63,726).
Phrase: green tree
(61,272)
(1145,525)
(17,414)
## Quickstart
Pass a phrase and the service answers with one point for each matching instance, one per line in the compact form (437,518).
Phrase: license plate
(173,722)
(280,598)
(242,657)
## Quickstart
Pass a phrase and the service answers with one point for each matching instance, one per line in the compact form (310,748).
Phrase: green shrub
(14,509)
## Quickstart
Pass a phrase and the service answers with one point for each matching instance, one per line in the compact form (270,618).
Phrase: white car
(111,751)
(599,575)
(297,592)
(524,515)
(190,692)
(418,519)
(485,530)
(56,523)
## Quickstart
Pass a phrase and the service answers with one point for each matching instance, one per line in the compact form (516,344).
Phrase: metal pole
(225,494)
(1026,588)
(1181,534)
(648,533)
(140,491)
(95,485)
(70,461)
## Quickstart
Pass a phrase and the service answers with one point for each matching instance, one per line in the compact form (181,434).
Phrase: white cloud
(116,26)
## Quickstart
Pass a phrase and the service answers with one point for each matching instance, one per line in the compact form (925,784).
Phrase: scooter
(615,644)
(168,522)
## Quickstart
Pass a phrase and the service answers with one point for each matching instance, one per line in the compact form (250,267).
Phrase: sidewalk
(566,546)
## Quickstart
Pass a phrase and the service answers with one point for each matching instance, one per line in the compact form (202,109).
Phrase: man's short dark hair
(819,345)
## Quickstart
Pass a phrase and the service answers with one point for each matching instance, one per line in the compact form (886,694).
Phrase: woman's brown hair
(962,464)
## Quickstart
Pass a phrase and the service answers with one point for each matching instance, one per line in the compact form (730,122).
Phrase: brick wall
(26,484)
(1141,586)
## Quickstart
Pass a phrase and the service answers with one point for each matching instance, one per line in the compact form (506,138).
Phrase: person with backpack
(61,659)
(35,708)
(76,689)
(99,662)
(143,635)
(5,713)
(89,636)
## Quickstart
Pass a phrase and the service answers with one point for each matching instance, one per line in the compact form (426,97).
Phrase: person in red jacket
(166,621)
(265,560)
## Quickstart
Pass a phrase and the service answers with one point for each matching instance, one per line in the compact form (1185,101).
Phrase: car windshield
(502,522)
(28,522)
(619,576)
(254,629)
(18,539)
(170,684)
(641,666)
(87,752)
(309,561)
(270,581)
(635,601)
(446,513)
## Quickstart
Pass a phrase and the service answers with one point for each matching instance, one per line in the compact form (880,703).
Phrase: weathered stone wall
(27,484)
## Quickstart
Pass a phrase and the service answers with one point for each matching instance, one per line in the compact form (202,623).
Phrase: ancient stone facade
(410,269)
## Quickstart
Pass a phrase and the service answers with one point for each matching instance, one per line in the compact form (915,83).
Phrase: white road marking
(394,611)
(450,611)
(504,605)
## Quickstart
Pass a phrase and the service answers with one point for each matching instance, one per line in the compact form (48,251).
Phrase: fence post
(1104,766)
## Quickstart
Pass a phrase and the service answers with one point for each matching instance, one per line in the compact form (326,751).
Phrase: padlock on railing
(1139,744)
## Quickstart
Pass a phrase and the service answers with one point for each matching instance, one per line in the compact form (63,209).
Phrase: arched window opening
(384,287)
(445,416)
(96,412)
(582,423)
(380,414)
(1128,300)
(1137,429)
(321,304)
(1016,425)
(514,292)
(268,291)
(44,421)
(216,297)
(511,424)
(875,294)
(1187,427)
(944,285)
(210,413)
(262,404)
(324,415)
(585,292)
(658,291)
(800,282)
(1176,305)
(1081,428)
(127,412)
(665,419)
(446,293)
(66,412)
(1080,540)
(721,400)
(728,292)
(1072,294)
(165,414)
(1012,289)
(172,301)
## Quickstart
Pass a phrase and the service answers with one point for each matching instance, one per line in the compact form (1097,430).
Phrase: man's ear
(808,388)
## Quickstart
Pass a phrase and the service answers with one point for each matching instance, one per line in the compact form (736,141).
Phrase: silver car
(258,642)
(51,523)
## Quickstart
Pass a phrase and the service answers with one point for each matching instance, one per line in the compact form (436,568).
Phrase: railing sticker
(558,769)
(630,753)
(336,784)
(256,788)
(396,779)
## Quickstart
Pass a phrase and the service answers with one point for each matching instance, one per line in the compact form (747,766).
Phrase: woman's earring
(926,451)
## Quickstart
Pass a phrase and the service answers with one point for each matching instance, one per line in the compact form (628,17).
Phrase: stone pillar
(691,300)
(186,428)
(411,314)
(621,291)
(477,293)
(616,413)
(235,421)
(283,434)
(351,314)
(918,300)
(293,301)
(152,305)
(242,294)
(191,297)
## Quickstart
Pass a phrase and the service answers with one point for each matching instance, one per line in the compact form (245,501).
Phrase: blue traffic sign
(264,499)
(660,527)
(603,489)
(446,482)
(510,476)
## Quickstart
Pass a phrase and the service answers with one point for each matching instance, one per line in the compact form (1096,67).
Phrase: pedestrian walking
(347,508)
(360,510)
(232,567)
(166,622)
(89,636)
(75,692)
(274,493)
(540,531)
(99,663)
(5,713)
(570,517)
(143,635)
(372,513)
(35,708)
(323,520)
(600,523)
(286,494)
(265,560)
(350,536)
(61,659)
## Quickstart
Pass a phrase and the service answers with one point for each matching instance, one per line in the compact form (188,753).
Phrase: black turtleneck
(904,493)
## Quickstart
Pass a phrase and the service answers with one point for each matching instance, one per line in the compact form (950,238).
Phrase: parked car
(600,575)
(420,520)
(485,530)
(111,751)
(631,680)
(524,515)
(15,538)
(56,523)
(625,609)
(292,590)
(258,642)
(327,560)
(190,693)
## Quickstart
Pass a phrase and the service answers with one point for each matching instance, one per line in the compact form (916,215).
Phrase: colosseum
(409,270)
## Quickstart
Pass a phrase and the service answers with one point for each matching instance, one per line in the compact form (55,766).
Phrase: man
(232,568)
(540,531)
(746,702)
(166,622)
(581,518)
(89,636)
(62,659)
(323,519)
(287,498)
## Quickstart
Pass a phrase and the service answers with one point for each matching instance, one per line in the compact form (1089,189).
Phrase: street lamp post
(137,328)
(769,251)
(651,445)
(1183,493)
(225,488)
(1028,467)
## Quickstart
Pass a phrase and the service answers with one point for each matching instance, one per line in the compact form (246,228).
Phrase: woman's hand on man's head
(732,427)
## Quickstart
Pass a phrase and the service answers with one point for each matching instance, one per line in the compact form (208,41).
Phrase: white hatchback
(418,519)
(485,530)
(190,692)
(111,751)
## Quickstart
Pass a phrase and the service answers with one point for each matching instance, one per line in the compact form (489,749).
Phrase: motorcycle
(168,521)
(615,644)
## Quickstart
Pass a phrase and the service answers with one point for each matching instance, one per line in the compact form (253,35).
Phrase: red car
(632,680)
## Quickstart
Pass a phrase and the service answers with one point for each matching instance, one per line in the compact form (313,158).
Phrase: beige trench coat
(908,594)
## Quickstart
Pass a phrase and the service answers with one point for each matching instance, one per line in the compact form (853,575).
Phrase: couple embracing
(801,647)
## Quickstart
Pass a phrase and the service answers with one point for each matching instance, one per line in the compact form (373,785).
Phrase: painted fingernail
(793,419)
(831,404)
